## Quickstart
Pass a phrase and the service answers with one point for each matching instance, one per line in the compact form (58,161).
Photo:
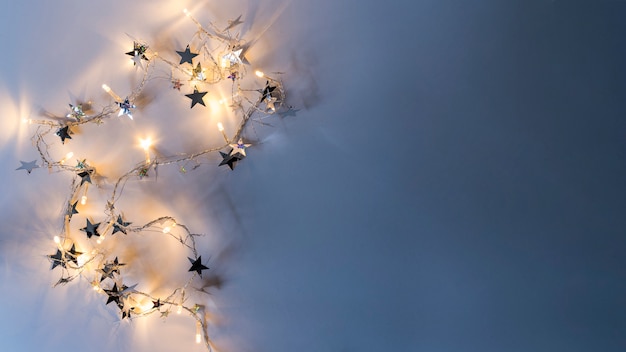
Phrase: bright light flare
(259,73)
(145,143)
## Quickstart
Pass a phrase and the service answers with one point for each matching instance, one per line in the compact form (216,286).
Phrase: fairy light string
(221,60)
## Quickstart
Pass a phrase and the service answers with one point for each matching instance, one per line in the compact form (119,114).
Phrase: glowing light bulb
(81,259)
(145,144)
(83,200)
(180,309)
(220,127)
(67,156)
(259,73)
(106,88)
(57,240)
(167,229)
(186,12)
(198,332)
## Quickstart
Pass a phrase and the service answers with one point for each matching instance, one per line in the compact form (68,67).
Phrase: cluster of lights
(228,67)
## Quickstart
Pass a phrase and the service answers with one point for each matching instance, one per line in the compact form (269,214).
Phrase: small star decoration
(139,50)
(197,266)
(230,160)
(196,97)
(186,56)
(85,177)
(110,268)
(176,84)
(76,112)
(71,210)
(239,148)
(120,225)
(64,133)
(198,73)
(125,107)
(91,229)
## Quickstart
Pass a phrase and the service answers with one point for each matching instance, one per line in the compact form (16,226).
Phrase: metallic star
(143,172)
(64,133)
(73,254)
(239,148)
(196,97)
(113,294)
(85,177)
(156,304)
(91,229)
(137,61)
(176,84)
(268,90)
(71,210)
(28,166)
(198,73)
(125,107)
(57,259)
(110,268)
(76,112)
(138,50)
(232,58)
(120,225)
(197,266)
(186,56)
(230,160)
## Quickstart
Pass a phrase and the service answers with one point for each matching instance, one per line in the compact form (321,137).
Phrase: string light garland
(212,56)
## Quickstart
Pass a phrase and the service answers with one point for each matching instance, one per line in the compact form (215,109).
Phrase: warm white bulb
(186,12)
(167,229)
(69,155)
(57,240)
(259,73)
(145,143)
(106,88)
(198,332)
(220,127)
(83,200)
(180,309)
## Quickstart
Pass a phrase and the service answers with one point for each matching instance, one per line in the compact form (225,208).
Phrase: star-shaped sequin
(91,229)
(186,56)
(196,97)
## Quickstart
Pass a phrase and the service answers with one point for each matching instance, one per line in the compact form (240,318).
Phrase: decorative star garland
(227,63)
